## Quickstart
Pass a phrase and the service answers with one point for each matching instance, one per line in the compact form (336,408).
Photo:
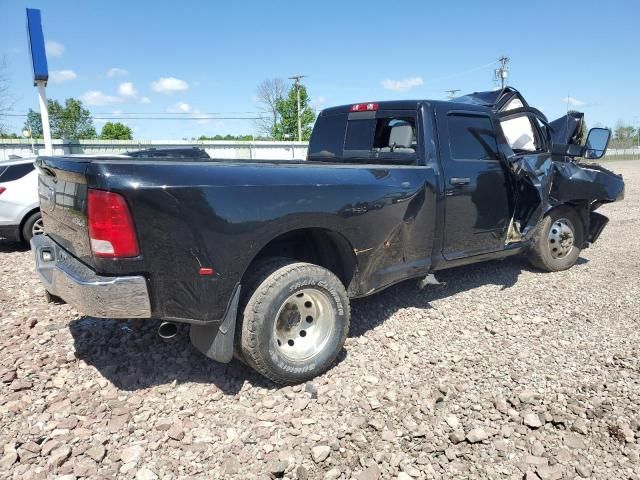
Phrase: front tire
(295,320)
(558,242)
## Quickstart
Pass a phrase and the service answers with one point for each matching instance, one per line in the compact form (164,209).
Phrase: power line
(176,113)
(198,117)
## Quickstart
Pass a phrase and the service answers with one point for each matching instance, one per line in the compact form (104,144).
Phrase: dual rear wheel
(295,320)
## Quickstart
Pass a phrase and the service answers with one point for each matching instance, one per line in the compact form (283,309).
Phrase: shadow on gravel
(367,313)
(8,247)
(130,354)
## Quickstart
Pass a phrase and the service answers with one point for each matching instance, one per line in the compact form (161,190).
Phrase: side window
(521,134)
(16,172)
(471,137)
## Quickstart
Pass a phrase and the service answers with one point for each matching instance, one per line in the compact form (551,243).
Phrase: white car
(19,204)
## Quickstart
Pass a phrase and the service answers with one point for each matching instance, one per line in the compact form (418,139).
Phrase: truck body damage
(541,182)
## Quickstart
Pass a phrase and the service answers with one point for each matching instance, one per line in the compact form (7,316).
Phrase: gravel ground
(505,372)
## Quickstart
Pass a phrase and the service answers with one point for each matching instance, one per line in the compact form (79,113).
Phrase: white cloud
(59,76)
(169,85)
(53,48)
(96,97)
(573,102)
(180,107)
(127,89)
(318,102)
(117,72)
(403,85)
(145,100)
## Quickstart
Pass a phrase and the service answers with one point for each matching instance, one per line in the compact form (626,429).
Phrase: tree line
(278,118)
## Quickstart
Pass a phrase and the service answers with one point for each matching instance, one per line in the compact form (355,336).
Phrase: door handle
(459,180)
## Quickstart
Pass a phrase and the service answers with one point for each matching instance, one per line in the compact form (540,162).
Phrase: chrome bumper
(93,294)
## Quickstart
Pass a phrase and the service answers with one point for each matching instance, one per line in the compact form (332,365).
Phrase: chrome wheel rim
(561,238)
(304,324)
(38,227)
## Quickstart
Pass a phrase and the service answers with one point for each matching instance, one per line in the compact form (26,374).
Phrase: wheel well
(24,220)
(581,207)
(314,245)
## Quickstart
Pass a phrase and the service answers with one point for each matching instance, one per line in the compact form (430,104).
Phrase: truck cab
(493,159)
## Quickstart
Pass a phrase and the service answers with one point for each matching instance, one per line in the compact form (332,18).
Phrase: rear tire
(558,242)
(294,322)
(32,226)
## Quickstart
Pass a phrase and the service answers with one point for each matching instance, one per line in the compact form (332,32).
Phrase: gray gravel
(505,372)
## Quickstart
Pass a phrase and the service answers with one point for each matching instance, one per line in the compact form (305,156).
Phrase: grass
(618,158)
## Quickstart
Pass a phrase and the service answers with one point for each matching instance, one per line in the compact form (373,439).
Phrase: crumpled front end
(541,184)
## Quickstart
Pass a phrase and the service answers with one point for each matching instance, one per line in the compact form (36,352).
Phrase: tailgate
(62,189)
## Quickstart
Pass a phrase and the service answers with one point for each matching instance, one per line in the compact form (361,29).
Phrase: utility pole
(502,72)
(452,92)
(297,78)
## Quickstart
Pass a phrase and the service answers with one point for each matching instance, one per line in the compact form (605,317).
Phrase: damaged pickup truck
(262,257)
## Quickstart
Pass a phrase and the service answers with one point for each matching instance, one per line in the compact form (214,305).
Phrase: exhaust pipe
(167,330)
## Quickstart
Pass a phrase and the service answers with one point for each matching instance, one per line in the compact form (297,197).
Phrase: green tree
(115,131)
(71,121)
(246,138)
(287,125)
(623,132)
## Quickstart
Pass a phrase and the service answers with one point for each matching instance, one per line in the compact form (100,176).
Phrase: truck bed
(220,214)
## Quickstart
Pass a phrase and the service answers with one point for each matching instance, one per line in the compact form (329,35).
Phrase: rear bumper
(93,294)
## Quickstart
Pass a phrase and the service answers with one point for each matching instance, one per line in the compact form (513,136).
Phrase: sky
(194,60)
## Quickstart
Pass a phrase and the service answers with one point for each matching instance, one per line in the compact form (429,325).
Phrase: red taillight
(2,189)
(364,107)
(110,226)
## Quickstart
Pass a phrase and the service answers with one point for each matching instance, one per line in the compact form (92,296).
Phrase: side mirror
(597,143)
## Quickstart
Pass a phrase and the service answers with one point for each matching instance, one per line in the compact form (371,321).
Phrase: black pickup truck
(262,257)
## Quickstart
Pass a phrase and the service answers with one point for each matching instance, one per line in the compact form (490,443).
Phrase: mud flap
(216,341)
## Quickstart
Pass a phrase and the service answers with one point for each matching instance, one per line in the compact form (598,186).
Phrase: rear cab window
(384,136)
(11,173)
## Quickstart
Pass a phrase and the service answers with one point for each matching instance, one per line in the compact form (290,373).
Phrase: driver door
(477,197)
